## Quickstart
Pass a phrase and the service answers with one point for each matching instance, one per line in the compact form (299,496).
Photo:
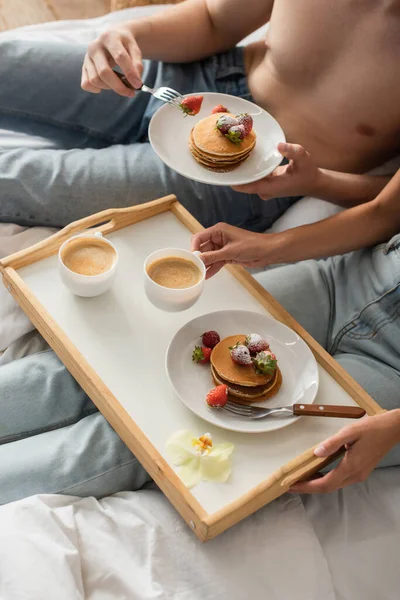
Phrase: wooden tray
(95,337)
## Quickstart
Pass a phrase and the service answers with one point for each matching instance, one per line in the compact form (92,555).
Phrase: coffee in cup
(174,272)
(88,256)
(87,264)
(173,278)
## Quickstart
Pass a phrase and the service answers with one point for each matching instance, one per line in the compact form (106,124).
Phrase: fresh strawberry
(236,134)
(201,355)
(219,109)
(247,122)
(224,123)
(240,354)
(218,396)
(256,343)
(265,362)
(191,105)
(210,339)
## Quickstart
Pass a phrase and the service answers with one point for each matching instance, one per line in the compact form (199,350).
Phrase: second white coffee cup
(171,299)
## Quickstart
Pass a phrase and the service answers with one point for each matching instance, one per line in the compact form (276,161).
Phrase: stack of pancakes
(242,380)
(213,150)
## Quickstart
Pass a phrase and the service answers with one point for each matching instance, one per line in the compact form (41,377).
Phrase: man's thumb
(291,151)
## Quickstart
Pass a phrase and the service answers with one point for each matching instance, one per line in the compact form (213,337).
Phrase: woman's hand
(298,178)
(115,47)
(366,443)
(224,244)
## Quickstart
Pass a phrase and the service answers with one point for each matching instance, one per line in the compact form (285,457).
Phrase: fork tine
(172,102)
(238,406)
(174,106)
(237,410)
(170,96)
(234,412)
(173,93)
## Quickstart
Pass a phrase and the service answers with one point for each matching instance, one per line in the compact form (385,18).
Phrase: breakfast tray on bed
(97,339)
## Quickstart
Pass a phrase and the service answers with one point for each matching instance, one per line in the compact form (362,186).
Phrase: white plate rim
(284,422)
(242,181)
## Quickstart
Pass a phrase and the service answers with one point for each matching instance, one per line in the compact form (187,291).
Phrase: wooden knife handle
(328,410)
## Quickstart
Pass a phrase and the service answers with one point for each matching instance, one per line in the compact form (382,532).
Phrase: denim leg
(84,459)
(36,394)
(382,383)
(40,95)
(351,305)
(305,292)
(53,439)
(95,152)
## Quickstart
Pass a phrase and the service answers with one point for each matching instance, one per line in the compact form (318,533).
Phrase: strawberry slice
(191,105)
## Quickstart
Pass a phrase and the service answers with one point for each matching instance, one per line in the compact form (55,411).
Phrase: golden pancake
(250,394)
(217,164)
(244,375)
(219,168)
(208,139)
(219,157)
(220,160)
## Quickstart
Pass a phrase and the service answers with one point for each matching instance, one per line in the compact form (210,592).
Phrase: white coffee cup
(87,286)
(172,299)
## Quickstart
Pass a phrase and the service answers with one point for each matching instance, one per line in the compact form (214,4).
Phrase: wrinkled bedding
(344,546)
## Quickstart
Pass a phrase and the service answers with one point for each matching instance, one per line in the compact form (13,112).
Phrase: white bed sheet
(344,546)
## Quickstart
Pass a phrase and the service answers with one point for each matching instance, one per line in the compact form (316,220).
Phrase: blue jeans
(351,305)
(85,153)
(53,440)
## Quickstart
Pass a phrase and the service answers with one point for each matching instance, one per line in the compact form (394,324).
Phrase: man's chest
(344,54)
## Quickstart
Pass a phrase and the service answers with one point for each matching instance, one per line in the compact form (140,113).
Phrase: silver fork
(165,94)
(312,410)
(254,412)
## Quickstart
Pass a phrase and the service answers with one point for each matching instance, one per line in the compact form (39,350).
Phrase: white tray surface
(109,331)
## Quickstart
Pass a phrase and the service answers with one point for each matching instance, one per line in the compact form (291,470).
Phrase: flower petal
(180,447)
(190,472)
(214,469)
(222,451)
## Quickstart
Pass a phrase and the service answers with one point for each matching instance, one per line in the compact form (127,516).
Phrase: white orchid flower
(198,459)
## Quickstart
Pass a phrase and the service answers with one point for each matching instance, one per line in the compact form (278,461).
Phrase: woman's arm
(358,227)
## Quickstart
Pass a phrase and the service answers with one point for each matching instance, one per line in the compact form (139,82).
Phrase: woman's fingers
(213,270)
(215,256)
(334,480)
(214,235)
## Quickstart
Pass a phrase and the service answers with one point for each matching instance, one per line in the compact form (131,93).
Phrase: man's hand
(298,178)
(366,443)
(224,244)
(116,46)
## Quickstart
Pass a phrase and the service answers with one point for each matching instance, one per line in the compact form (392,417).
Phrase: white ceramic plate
(192,381)
(169,133)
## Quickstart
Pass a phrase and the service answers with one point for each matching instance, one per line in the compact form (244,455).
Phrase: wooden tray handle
(309,467)
(106,221)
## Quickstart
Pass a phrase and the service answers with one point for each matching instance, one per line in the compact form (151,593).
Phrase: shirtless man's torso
(330,74)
